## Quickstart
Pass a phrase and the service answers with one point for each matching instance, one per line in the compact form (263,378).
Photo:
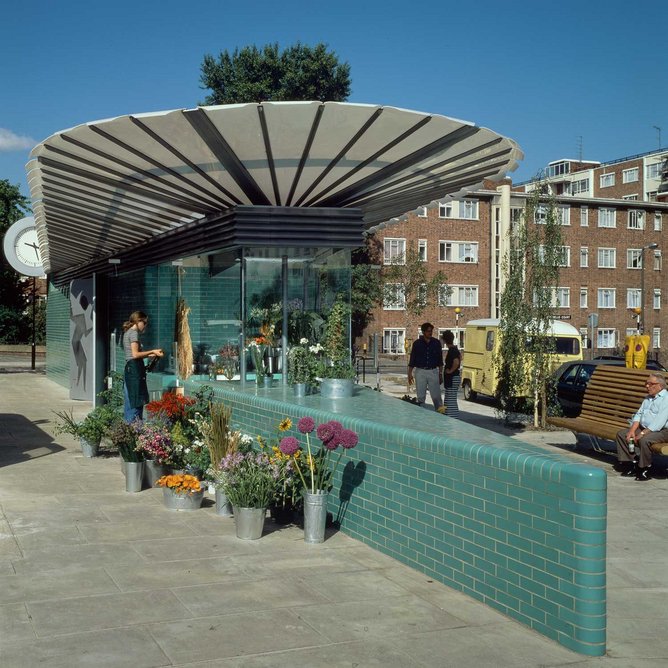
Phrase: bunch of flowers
(189,452)
(154,440)
(228,360)
(257,348)
(249,479)
(172,406)
(317,473)
(180,483)
(303,362)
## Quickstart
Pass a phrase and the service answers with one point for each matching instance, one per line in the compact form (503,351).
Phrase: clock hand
(36,247)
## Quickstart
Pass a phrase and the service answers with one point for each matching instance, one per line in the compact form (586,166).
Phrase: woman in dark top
(451,373)
(135,390)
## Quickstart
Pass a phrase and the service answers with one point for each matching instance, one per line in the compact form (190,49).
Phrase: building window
(564,215)
(468,209)
(584,256)
(563,254)
(583,297)
(393,341)
(656,300)
(606,218)
(606,297)
(630,175)
(607,258)
(584,216)
(653,171)
(633,258)
(395,251)
(457,251)
(422,212)
(458,295)
(630,198)
(563,297)
(540,214)
(656,337)
(422,250)
(605,338)
(581,186)
(607,180)
(395,299)
(651,195)
(445,210)
(636,220)
(632,297)
(657,260)
(658,224)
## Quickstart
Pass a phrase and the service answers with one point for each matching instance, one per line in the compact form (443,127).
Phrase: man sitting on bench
(648,425)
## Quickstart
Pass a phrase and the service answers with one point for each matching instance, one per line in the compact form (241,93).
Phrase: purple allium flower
(289,445)
(306,425)
(332,444)
(329,433)
(348,438)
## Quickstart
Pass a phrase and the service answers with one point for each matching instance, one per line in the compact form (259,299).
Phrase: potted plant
(153,441)
(124,437)
(303,365)
(89,431)
(258,349)
(181,491)
(317,471)
(227,362)
(336,371)
(250,485)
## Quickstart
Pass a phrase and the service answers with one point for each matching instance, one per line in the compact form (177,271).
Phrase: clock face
(22,248)
(27,248)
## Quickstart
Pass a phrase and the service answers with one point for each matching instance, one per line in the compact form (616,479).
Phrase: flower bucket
(223,505)
(134,476)
(336,388)
(249,522)
(89,449)
(264,381)
(153,471)
(187,502)
(299,390)
(315,516)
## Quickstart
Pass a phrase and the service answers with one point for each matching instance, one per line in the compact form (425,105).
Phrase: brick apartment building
(612,214)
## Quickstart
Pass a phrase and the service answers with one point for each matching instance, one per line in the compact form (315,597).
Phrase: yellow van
(481,346)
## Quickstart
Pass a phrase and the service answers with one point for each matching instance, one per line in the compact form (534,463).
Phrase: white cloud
(9,141)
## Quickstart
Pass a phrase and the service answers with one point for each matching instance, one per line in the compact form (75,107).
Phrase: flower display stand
(315,516)
(249,522)
(186,502)
(134,476)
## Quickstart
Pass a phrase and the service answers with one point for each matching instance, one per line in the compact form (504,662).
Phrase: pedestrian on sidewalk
(451,374)
(135,390)
(425,366)
(648,426)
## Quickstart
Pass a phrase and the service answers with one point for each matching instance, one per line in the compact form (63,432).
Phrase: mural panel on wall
(82,339)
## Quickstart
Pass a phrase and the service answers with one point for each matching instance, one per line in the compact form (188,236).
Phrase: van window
(559,345)
(489,343)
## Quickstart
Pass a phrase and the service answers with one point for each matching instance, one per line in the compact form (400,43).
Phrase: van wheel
(469,394)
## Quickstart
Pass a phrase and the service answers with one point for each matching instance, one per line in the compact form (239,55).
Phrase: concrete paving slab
(15,624)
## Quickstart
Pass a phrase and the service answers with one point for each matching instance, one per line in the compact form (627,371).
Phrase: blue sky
(552,76)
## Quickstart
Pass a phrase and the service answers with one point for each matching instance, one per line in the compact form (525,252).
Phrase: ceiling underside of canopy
(106,186)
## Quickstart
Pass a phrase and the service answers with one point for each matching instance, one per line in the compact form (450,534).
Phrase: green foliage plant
(527,306)
(337,361)
(303,362)
(299,72)
(91,429)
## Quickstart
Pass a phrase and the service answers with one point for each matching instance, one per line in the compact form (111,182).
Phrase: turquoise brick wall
(514,526)
(58,335)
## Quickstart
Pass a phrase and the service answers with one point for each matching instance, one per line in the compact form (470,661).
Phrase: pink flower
(328,433)
(289,445)
(306,425)
(348,438)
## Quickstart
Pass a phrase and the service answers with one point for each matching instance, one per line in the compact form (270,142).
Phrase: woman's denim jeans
(130,414)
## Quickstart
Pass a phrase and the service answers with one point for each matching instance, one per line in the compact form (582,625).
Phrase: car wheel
(469,394)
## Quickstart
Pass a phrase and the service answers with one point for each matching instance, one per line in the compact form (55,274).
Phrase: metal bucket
(223,505)
(89,449)
(188,502)
(134,476)
(299,390)
(153,472)
(336,388)
(315,516)
(249,522)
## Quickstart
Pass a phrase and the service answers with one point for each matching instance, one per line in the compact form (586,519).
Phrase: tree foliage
(299,72)
(527,306)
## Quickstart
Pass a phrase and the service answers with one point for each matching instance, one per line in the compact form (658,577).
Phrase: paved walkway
(93,576)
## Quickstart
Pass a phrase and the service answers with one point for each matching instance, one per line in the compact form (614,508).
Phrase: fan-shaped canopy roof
(108,185)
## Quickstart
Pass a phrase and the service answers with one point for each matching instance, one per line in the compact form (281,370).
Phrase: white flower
(187,450)
(317,348)
(303,341)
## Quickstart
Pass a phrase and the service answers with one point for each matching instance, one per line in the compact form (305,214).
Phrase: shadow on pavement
(21,439)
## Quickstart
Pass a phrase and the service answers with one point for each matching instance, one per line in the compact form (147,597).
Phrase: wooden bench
(613,394)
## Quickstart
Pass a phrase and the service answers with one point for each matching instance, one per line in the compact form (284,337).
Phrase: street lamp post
(641,321)
(458,312)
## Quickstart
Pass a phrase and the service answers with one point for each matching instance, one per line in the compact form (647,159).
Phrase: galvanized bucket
(249,522)
(315,516)
(134,476)
(186,502)
(223,505)
(89,449)
(336,388)
(299,390)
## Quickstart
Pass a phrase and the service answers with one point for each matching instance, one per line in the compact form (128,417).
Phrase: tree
(527,306)
(299,72)
(366,284)
(14,323)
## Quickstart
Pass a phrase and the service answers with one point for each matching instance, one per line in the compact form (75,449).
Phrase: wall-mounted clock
(22,248)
